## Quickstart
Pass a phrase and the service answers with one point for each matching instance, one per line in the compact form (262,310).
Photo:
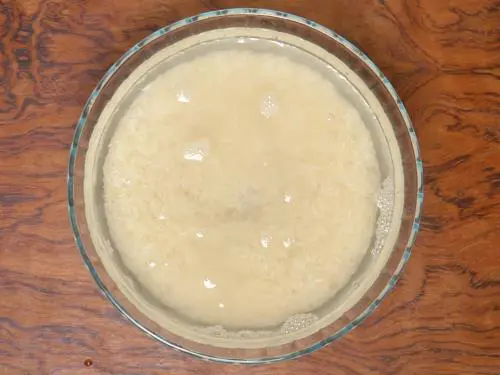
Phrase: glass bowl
(384,114)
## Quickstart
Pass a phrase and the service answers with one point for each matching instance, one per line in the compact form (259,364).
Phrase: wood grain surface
(443,56)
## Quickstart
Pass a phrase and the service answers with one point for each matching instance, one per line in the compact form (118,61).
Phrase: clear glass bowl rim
(250,12)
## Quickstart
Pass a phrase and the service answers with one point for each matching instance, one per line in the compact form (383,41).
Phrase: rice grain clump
(240,189)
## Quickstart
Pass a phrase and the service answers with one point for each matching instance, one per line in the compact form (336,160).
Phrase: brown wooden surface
(444,316)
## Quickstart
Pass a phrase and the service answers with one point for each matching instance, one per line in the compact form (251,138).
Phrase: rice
(240,189)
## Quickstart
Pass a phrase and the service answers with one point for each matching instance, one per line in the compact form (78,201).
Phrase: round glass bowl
(365,87)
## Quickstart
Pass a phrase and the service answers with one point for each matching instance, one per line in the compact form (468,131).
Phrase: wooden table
(443,56)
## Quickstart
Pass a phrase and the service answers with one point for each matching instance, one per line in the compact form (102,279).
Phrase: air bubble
(209,284)
(266,241)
